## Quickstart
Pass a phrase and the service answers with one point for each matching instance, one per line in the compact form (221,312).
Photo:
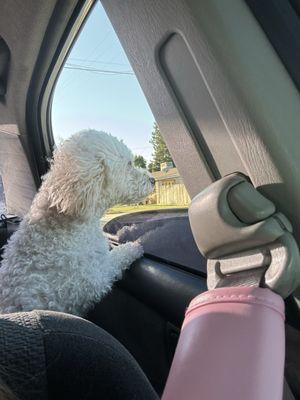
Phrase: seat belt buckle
(246,241)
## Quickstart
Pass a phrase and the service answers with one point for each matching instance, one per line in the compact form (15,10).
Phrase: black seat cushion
(49,355)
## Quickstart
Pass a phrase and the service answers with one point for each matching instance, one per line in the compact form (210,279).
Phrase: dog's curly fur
(59,259)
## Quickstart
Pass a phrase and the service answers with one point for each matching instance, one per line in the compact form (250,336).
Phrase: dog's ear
(76,190)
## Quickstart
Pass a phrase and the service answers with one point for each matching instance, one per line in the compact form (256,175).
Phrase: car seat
(50,355)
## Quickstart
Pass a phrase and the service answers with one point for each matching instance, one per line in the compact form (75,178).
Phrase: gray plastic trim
(249,205)
(257,252)
(188,88)
(217,230)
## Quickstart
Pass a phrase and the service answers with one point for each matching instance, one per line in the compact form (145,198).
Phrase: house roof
(161,175)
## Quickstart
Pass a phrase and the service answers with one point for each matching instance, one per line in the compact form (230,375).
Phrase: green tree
(150,167)
(139,161)
(160,153)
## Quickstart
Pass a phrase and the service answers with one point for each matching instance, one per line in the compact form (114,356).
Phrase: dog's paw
(125,254)
(135,249)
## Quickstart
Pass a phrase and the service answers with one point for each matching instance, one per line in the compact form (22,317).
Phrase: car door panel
(144,311)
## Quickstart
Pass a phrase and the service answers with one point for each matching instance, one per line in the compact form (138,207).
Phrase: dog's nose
(152,180)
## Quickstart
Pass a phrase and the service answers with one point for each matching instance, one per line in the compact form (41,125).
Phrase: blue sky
(111,102)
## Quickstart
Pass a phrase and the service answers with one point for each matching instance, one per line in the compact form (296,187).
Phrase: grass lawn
(135,208)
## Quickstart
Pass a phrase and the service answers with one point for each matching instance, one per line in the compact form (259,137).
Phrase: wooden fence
(171,193)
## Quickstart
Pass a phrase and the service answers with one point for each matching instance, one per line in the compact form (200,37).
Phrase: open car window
(98,89)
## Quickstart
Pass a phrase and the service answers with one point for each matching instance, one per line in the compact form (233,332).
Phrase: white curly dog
(59,258)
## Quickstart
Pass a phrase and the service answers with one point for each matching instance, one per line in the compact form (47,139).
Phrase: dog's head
(92,171)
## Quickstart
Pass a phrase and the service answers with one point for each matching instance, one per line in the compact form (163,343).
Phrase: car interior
(222,80)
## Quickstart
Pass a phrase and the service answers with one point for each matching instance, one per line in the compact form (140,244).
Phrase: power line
(91,53)
(97,61)
(96,70)
(97,46)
